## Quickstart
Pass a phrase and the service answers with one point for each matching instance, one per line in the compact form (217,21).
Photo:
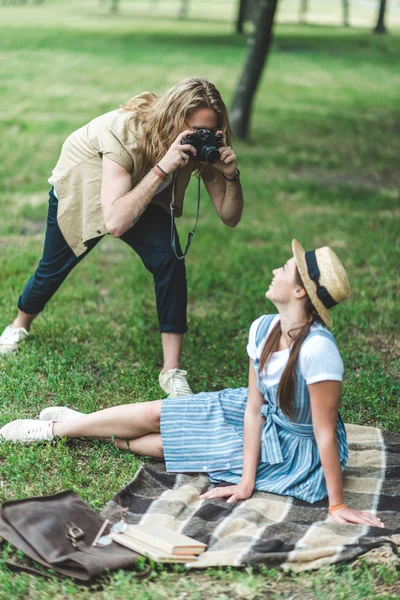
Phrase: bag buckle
(75,534)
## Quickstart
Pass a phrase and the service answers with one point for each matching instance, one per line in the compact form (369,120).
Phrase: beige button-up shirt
(78,173)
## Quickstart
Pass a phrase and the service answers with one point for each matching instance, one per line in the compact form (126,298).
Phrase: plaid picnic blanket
(276,530)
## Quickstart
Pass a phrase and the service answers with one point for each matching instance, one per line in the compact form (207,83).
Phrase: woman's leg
(126,422)
(147,445)
(135,424)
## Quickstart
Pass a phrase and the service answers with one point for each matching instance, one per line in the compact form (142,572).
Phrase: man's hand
(232,492)
(176,156)
(227,163)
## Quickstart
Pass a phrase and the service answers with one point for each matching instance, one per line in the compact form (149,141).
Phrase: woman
(282,434)
(115,176)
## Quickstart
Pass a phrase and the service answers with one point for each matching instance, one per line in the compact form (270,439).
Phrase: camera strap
(173,226)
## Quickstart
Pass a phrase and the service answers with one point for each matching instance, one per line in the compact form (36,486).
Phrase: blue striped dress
(204,432)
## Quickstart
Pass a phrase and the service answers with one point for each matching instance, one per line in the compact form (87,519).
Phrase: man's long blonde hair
(160,119)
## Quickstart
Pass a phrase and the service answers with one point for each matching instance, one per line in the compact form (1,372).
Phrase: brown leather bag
(41,527)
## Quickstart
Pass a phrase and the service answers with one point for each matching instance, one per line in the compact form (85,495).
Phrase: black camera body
(206,143)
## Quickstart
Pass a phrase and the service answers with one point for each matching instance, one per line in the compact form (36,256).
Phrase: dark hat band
(314,273)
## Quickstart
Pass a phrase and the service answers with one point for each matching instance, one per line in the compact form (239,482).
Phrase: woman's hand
(227,162)
(176,156)
(361,517)
(232,492)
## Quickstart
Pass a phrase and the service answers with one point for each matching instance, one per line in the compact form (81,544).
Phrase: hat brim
(300,258)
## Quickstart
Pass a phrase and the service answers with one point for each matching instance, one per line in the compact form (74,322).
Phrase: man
(117,175)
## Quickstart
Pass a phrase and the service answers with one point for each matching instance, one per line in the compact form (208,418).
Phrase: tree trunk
(258,47)
(380,26)
(184,9)
(346,13)
(114,6)
(303,10)
(241,17)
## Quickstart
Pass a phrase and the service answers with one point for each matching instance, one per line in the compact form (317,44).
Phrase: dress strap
(324,333)
(262,328)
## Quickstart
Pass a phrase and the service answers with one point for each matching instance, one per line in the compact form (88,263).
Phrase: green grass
(321,166)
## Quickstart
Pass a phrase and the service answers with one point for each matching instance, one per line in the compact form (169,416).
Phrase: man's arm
(227,196)
(121,204)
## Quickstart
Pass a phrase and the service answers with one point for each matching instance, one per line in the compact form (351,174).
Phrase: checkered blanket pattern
(276,530)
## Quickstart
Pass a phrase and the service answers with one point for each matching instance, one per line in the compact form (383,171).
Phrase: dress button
(98,231)
(228,465)
(205,468)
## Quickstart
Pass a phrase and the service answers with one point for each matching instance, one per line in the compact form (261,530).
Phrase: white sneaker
(59,413)
(11,338)
(174,382)
(27,431)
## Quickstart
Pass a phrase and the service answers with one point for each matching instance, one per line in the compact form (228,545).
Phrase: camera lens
(210,154)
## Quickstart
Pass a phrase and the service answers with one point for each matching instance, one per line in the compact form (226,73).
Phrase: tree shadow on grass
(322,41)
(165,18)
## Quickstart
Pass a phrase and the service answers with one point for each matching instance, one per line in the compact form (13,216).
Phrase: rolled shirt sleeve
(111,147)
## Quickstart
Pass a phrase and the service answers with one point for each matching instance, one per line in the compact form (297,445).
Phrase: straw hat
(324,278)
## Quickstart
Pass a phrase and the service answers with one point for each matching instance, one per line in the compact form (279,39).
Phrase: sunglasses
(100,541)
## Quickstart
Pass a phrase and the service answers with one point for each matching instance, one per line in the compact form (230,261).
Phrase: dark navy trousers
(150,238)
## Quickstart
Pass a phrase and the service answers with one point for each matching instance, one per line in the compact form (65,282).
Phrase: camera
(206,144)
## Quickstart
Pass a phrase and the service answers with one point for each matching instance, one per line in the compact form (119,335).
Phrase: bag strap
(16,568)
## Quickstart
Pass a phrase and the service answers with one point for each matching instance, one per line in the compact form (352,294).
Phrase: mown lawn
(321,166)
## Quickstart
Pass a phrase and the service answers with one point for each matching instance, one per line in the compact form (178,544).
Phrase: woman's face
(202,118)
(283,284)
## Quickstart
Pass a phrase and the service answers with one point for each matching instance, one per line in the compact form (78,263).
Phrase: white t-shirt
(319,357)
